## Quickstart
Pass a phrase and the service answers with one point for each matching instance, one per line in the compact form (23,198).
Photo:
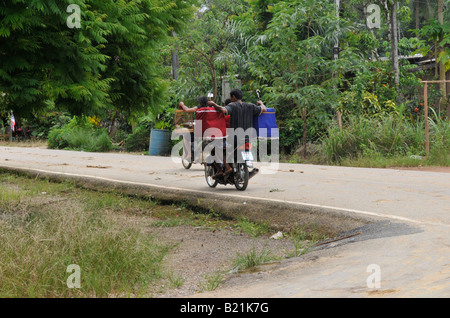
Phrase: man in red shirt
(213,128)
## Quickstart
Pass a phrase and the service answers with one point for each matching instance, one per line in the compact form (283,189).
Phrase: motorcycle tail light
(247,146)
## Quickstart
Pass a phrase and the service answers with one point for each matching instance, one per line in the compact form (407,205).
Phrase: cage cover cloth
(265,123)
(211,118)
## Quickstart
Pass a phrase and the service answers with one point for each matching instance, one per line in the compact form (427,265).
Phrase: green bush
(139,140)
(80,134)
(57,139)
(41,125)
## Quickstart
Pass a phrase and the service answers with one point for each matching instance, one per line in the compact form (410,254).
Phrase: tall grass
(389,140)
(440,141)
(39,242)
(87,140)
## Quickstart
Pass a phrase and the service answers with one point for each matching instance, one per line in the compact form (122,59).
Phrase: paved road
(398,220)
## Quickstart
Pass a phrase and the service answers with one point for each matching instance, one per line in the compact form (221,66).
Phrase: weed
(252,258)
(212,281)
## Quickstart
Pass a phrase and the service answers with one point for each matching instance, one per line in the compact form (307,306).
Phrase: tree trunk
(388,19)
(430,10)
(417,13)
(442,77)
(394,38)
(305,131)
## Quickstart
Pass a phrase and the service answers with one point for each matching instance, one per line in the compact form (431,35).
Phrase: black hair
(227,101)
(236,93)
(203,101)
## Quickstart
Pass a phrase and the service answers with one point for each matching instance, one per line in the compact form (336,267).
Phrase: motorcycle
(240,175)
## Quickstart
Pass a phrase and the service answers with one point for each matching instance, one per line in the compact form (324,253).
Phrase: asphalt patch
(375,230)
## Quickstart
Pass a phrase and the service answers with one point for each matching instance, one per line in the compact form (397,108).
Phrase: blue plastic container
(265,123)
(159,142)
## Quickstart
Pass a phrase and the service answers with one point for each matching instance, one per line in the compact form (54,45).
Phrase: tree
(297,62)
(142,32)
(41,58)
(442,68)
(110,61)
(435,38)
(391,10)
(201,65)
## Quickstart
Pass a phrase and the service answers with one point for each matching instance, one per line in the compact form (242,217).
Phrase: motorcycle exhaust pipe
(253,173)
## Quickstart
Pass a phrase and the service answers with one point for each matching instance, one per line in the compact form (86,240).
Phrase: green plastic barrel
(159,142)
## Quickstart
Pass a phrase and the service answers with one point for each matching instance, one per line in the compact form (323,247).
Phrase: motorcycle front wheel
(186,164)
(241,177)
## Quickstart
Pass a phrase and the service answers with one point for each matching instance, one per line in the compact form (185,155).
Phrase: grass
(251,228)
(390,141)
(45,227)
(212,281)
(252,259)
(25,143)
(43,233)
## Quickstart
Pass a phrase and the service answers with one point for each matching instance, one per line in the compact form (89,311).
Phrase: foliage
(139,140)
(435,37)
(40,125)
(119,61)
(204,50)
(372,93)
(387,137)
(80,133)
(111,61)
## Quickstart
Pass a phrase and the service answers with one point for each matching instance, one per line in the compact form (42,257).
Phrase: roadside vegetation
(363,107)
(46,226)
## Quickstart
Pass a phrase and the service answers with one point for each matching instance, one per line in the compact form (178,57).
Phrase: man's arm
(263,107)
(187,109)
(217,107)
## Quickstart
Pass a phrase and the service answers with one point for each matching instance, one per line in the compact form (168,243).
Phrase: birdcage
(184,122)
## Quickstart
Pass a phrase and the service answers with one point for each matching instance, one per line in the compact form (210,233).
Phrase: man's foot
(217,175)
(228,171)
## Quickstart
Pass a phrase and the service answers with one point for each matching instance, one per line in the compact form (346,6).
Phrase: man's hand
(217,107)
(261,104)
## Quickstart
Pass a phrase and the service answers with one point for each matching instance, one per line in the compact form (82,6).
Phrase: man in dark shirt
(241,115)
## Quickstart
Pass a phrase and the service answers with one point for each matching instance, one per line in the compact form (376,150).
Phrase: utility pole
(175,63)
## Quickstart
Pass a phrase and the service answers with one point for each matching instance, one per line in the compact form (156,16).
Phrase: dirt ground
(201,253)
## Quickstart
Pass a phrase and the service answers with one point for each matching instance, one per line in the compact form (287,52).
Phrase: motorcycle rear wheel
(241,177)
